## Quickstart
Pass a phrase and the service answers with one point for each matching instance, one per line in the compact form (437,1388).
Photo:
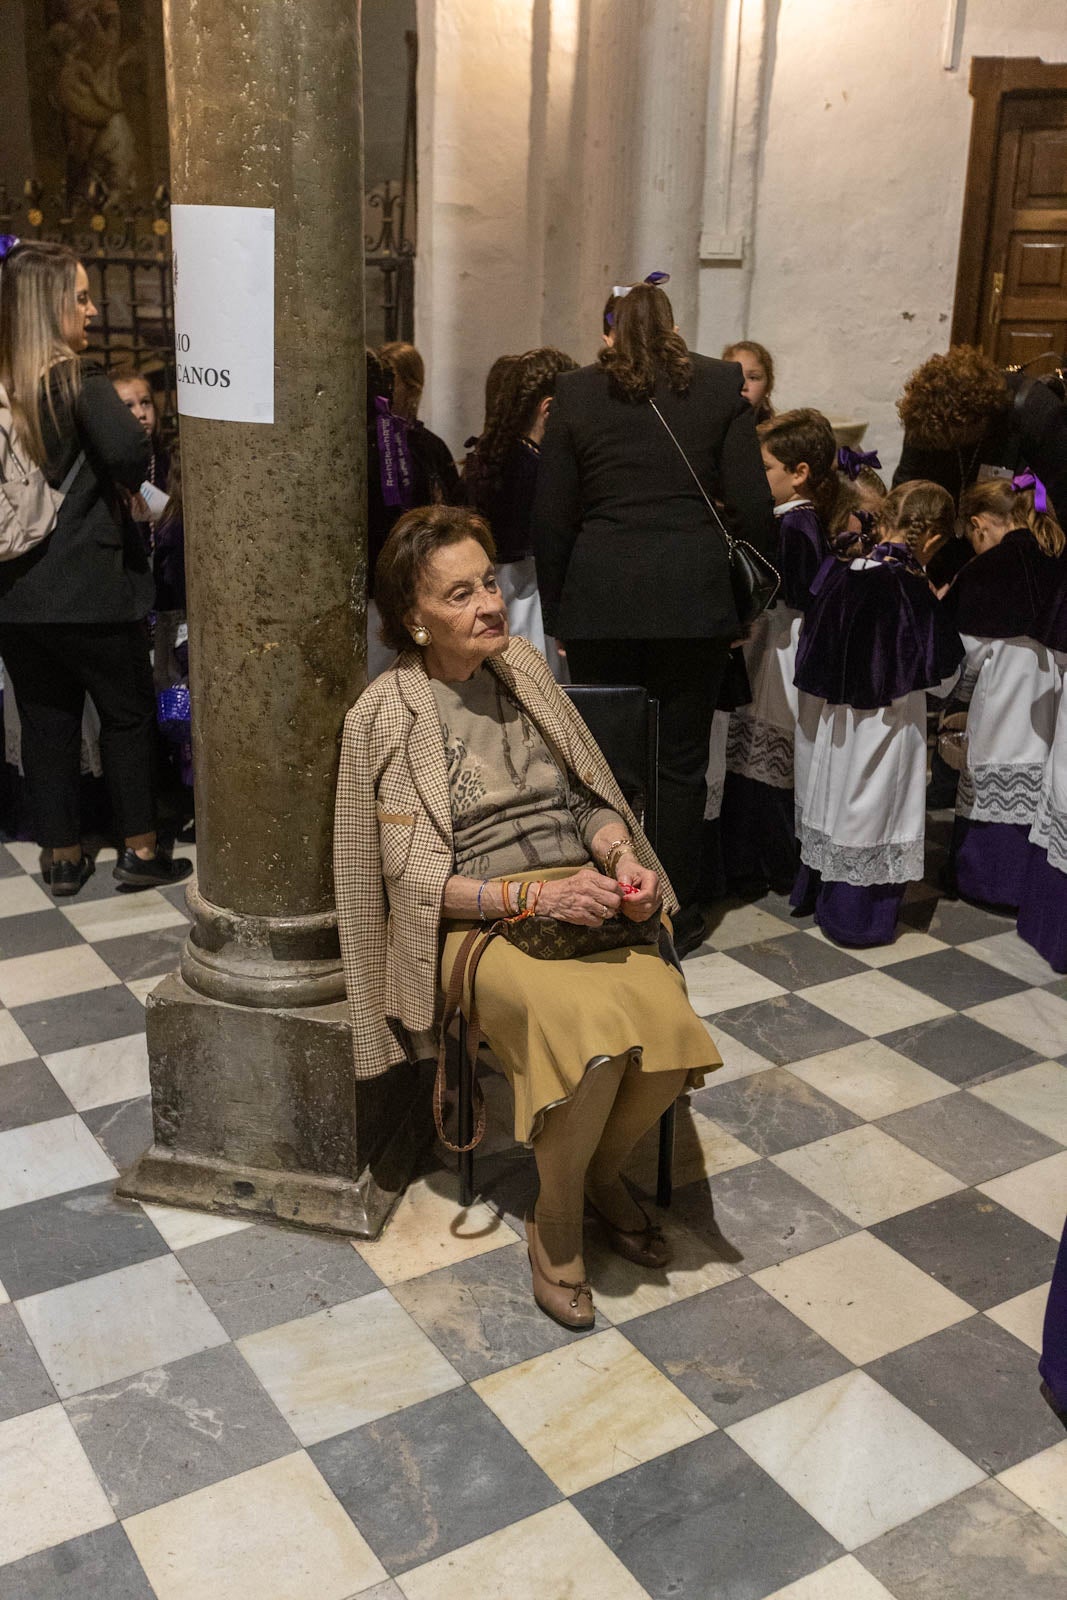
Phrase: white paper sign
(224,311)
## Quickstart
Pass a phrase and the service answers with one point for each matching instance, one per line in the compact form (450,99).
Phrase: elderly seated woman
(469,785)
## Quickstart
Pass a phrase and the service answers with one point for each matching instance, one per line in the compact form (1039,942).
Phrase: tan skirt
(546,1020)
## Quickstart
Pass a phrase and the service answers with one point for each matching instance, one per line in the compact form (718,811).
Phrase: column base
(257,1112)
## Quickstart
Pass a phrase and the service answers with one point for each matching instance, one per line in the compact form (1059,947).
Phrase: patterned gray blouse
(515,807)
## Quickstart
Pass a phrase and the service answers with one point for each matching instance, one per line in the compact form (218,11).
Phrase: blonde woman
(73,609)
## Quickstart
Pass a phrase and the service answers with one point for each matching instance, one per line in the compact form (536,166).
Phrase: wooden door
(1025,288)
(1011,296)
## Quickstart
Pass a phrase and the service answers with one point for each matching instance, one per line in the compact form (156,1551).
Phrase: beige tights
(595,1132)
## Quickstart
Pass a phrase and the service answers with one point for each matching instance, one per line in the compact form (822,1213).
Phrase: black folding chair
(624,721)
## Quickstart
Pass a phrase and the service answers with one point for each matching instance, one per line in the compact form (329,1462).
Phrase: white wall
(568,144)
(860,192)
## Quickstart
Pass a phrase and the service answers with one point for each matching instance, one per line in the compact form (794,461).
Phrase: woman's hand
(645,896)
(587,898)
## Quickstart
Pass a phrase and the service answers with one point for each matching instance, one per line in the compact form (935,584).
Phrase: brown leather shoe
(646,1246)
(569,1304)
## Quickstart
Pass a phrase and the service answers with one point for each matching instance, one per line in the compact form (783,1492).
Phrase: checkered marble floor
(831,1395)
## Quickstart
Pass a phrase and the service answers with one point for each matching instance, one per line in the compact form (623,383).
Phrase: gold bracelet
(614,851)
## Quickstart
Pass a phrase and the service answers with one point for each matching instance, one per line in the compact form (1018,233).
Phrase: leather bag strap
(727,535)
(464,968)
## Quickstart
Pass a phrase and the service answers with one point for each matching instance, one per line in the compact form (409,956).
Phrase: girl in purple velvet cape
(874,643)
(757,830)
(1010,681)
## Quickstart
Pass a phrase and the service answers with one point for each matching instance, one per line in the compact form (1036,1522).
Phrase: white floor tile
(340,1368)
(738,925)
(909,942)
(430,1229)
(46,1158)
(592,1409)
(841,1580)
(1033,1017)
(100,1074)
(1042,1483)
(624,1290)
(22,894)
(554,1555)
(182,1229)
(14,1045)
(1010,954)
(1037,1193)
(122,915)
(874,1002)
(27,854)
(855,1458)
(1035,1095)
(25,980)
(142,987)
(1024,1315)
(701,1149)
(111,1326)
(718,983)
(862,1297)
(48,1491)
(275,1533)
(870,1079)
(867,1174)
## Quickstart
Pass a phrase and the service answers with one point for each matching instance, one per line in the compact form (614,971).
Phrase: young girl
(874,641)
(758,367)
(860,495)
(1010,681)
(1043,905)
(756,818)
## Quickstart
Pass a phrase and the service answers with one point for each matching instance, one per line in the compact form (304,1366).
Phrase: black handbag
(753,580)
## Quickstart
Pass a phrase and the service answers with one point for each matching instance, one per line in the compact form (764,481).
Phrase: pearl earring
(420,635)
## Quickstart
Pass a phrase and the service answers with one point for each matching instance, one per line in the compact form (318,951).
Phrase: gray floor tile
(959,1049)
(24,1384)
(9,867)
(796,961)
(978,1386)
(124,1129)
(973,1246)
(173,1429)
(735,1350)
(431,1478)
(481,1313)
(705,1521)
(29,1093)
(758,1215)
(263,1276)
(72,1236)
(773,1111)
(80,1019)
(983,1545)
(954,921)
(956,978)
(98,1566)
(785,1029)
(36,931)
(176,895)
(778,905)
(968,1138)
(143,955)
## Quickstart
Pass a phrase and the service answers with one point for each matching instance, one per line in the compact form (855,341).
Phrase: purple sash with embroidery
(394,456)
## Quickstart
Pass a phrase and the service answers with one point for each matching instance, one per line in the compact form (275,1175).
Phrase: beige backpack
(29,505)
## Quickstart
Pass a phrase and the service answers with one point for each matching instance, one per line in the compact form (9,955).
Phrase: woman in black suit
(73,607)
(633,574)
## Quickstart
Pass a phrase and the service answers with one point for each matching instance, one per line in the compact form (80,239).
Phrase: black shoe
(67,877)
(158,872)
(690,925)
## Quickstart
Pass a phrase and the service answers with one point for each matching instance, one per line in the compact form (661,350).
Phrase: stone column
(255,1104)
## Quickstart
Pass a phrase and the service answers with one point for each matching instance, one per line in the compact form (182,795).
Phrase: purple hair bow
(851,462)
(8,241)
(621,289)
(1028,480)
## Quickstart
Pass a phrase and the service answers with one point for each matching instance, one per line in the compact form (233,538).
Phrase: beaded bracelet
(481,891)
(537,896)
(524,889)
(614,851)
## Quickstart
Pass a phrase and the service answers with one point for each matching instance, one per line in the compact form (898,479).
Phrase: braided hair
(805,437)
(529,380)
(920,511)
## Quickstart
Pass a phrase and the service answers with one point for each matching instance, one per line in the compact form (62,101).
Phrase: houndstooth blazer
(393,848)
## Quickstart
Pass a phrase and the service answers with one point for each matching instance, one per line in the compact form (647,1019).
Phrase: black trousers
(51,668)
(684,676)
